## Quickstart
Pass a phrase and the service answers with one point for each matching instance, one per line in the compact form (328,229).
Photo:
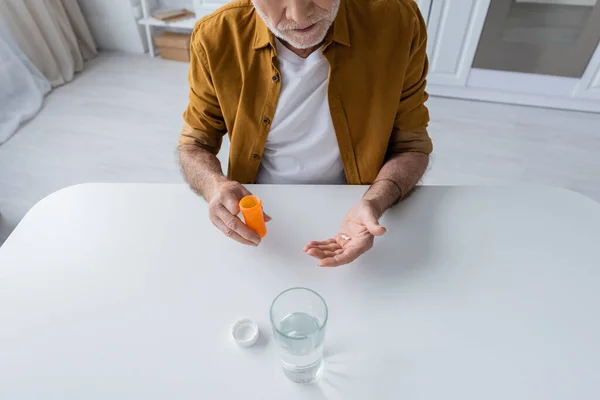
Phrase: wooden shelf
(147,21)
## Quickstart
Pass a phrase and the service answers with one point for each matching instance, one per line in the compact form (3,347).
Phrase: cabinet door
(589,84)
(454,29)
(548,37)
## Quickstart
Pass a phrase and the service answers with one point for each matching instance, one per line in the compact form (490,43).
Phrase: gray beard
(280,35)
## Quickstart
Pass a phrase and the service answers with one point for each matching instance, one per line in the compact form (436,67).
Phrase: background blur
(93,91)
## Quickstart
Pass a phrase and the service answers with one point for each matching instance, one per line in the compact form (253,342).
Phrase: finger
(232,234)
(317,244)
(348,255)
(233,223)
(232,205)
(328,247)
(321,254)
(267,217)
(372,225)
(313,245)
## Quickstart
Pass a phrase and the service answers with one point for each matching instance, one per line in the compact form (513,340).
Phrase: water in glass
(299,318)
(300,340)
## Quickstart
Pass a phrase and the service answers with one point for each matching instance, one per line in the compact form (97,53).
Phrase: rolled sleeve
(204,125)
(412,117)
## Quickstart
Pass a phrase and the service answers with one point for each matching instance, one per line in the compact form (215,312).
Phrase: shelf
(184,24)
(187,23)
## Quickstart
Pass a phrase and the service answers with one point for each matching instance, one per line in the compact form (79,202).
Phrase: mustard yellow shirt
(376,92)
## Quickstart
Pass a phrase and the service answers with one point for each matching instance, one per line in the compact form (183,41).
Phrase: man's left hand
(355,237)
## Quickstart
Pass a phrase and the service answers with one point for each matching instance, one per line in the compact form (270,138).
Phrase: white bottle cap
(245,332)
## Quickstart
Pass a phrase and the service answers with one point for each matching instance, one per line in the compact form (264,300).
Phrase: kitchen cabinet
(532,34)
(454,28)
(589,86)
(543,37)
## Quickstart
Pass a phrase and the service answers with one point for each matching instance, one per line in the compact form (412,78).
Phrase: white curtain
(22,86)
(42,44)
(52,33)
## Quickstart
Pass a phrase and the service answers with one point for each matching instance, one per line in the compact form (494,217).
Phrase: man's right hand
(224,206)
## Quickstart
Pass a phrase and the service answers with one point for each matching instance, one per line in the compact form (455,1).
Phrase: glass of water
(298,318)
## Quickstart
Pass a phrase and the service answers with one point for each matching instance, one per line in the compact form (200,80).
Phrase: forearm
(398,176)
(201,169)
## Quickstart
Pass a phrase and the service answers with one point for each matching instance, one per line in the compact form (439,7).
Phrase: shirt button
(275,78)
(255,156)
(266,121)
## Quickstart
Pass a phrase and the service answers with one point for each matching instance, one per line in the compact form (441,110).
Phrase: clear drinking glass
(298,318)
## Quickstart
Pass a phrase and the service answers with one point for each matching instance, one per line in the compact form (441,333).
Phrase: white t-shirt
(302,147)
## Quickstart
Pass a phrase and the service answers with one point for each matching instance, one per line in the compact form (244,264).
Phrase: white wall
(189,4)
(176,4)
(113,25)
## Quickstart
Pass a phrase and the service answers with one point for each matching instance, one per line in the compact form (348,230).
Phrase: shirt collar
(262,34)
(340,33)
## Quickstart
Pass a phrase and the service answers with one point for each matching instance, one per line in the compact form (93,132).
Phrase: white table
(127,292)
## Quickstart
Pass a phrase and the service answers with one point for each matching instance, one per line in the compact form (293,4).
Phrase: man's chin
(304,42)
(302,45)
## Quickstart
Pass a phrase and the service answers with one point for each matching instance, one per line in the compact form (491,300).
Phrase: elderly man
(309,92)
